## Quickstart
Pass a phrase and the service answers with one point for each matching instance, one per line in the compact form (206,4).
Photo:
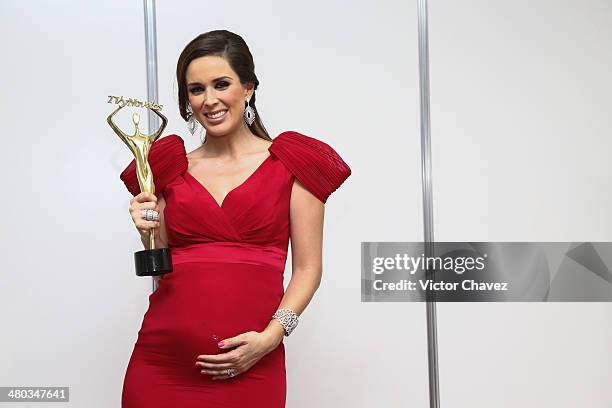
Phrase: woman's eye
(220,85)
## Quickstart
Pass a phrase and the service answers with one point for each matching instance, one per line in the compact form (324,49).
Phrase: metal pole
(151,61)
(432,338)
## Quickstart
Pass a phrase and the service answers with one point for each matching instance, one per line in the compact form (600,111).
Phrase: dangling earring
(192,123)
(249,113)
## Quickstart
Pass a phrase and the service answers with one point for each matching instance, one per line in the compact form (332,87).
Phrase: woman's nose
(210,97)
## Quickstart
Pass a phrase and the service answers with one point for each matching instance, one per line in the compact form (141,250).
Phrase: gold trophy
(153,261)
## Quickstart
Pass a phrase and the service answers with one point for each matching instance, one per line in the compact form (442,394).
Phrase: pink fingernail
(220,344)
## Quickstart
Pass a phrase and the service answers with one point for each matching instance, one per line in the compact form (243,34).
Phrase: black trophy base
(153,262)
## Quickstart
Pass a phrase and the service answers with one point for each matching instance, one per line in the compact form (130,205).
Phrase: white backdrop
(520,98)
(521,102)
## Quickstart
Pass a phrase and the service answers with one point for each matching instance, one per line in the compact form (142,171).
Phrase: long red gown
(228,263)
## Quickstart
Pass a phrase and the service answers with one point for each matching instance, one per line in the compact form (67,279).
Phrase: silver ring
(149,215)
(231,372)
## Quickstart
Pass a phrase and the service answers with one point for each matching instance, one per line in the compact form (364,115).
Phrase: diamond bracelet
(287,318)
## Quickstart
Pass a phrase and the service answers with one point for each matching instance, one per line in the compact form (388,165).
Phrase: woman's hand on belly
(250,347)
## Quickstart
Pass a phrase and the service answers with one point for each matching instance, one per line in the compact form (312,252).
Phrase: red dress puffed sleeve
(313,162)
(167,158)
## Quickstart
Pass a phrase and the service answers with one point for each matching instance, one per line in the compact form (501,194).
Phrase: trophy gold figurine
(152,261)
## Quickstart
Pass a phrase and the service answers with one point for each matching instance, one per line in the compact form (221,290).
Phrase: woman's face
(214,88)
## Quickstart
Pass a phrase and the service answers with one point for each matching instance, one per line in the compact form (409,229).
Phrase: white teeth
(216,115)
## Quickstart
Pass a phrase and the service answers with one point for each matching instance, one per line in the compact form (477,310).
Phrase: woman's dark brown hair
(225,44)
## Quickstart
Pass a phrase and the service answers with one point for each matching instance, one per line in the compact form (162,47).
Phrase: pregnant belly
(201,303)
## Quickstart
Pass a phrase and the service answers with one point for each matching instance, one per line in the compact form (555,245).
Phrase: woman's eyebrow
(214,80)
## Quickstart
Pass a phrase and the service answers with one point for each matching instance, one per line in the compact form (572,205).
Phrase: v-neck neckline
(224,200)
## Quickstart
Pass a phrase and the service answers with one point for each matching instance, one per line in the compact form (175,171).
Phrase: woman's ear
(250,89)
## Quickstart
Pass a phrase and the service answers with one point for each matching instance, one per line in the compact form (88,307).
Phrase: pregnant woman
(213,333)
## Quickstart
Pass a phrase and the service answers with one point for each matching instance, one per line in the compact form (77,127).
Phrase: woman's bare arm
(306,220)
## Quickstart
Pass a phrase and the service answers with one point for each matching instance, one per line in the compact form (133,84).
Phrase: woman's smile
(217,116)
